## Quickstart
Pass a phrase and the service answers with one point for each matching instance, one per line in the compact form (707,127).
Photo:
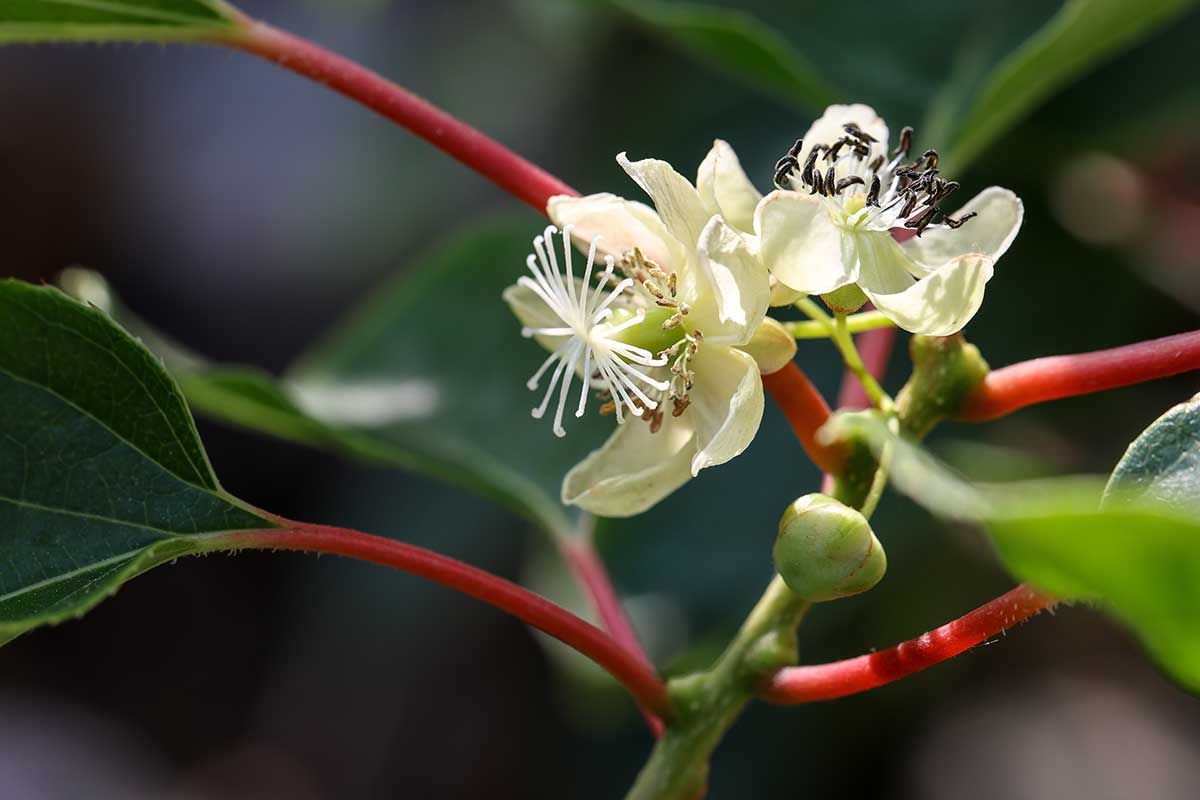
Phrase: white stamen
(584,311)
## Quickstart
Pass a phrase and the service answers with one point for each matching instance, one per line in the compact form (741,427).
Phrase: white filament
(584,311)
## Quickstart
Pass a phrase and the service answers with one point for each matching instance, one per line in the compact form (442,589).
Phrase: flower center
(870,190)
(588,333)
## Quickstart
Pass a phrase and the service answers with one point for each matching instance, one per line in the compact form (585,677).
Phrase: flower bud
(826,550)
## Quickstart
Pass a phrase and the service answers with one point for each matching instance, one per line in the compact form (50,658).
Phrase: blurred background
(243,210)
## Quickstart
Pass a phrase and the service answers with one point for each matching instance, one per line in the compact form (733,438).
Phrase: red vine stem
(811,683)
(628,668)
(1011,388)
(806,410)
(481,153)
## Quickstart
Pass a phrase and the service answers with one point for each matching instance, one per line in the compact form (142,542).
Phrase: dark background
(242,210)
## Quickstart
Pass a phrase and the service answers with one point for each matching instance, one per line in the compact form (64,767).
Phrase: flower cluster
(673,334)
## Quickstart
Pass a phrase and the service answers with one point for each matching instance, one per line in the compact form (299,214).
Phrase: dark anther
(858,133)
(909,205)
(789,160)
(906,134)
(876,163)
(833,151)
(781,176)
(795,149)
(807,174)
(830,180)
(818,183)
(931,158)
(872,193)
(958,223)
(922,222)
(948,188)
(846,182)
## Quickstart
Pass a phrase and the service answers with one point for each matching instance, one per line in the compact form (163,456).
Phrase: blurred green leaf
(1079,37)
(1143,565)
(88,20)
(1163,464)
(102,475)
(737,43)
(429,374)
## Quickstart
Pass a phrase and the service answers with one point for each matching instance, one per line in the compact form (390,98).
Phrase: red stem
(631,670)
(808,684)
(590,573)
(1011,388)
(457,139)
(806,410)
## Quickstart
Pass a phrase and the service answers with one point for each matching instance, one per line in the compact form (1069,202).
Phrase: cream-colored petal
(634,469)
(882,265)
(727,404)
(828,128)
(533,312)
(677,201)
(729,291)
(772,347)
(622,225)
(724,188)
(1000,213)
(799,243)
(942,303)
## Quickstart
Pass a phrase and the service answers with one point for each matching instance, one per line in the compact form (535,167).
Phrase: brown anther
(672,281)
(679,405)
(656,421)
(608,408)
(846,183)
(672,321)
(830,179)
(652,289)
(858,133)
(873,192)
(906,134)
(955,224)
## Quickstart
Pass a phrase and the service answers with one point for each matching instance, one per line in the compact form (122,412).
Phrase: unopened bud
(826,550)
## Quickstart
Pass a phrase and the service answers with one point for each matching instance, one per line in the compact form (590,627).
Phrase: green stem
(707,703)
(845,344)
(855,323)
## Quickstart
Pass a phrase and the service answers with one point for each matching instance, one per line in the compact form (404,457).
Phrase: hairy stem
(481,153)
(707,703)
(1006,390)
(857,323)
(815,682)
(632,671)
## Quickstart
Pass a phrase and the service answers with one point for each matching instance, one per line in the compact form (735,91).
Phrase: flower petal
(828,129)
(800,245)
(727,404)
(729,293)
(942,303)
(532,311)
(772,346)
(676,199)
(882,265)
(724,188)
(633,470)
(1000,215)
(622,224)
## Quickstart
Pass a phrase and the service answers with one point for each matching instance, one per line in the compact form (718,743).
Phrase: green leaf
(429,374)
(102,475)
(1163,464)
(1080,36)
(737,43)
(1141,564)
(104,20)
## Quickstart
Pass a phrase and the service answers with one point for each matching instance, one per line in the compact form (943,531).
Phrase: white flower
(677,345)
(835,230)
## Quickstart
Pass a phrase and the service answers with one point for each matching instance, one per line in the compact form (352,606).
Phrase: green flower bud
(826,550)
